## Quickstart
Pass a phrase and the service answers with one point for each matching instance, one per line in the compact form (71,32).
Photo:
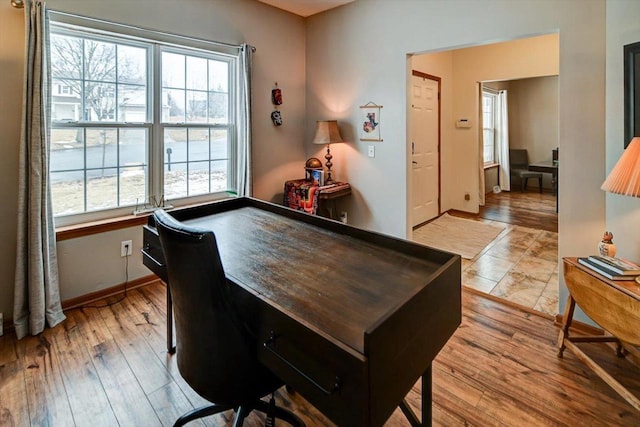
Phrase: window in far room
(137,120)
(489,126)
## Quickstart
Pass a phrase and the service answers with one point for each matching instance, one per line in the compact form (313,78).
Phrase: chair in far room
(216,354)
(519,167)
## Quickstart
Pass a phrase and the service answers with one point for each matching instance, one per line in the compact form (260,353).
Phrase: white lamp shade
(327,132)
(625,176)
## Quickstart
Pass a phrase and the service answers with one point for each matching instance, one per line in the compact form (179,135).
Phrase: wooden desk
(614,305)
(549,166)
(349,318)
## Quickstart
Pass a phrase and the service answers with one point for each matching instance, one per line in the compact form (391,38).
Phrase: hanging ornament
(276,95)
(276,117)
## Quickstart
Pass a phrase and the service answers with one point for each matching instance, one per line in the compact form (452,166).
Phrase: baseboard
(108,292)
(580,327)
(95,296)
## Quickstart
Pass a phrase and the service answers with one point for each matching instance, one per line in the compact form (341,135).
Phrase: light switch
(372,151)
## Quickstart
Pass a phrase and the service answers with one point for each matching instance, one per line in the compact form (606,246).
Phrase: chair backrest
(518,158)
(214,354)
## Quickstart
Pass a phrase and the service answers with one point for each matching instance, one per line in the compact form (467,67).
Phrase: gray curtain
(37,296)
(245,187)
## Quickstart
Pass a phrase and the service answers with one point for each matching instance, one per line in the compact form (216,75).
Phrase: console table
(303,195)
(614,305)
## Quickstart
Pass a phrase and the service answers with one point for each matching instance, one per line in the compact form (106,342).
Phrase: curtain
(481,195)
(245,187)
(37,295)
(502,140)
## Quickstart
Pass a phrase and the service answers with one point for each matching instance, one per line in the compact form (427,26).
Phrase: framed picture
(370,122)
(631,92)
(317,176)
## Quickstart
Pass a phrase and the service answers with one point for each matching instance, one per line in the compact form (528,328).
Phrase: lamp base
(328,156)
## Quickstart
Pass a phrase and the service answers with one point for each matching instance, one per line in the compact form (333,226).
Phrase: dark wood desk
(614,305)
(549,166)
(349,318)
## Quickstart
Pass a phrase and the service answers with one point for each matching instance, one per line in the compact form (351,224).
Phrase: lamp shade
(327,132)
(625,176)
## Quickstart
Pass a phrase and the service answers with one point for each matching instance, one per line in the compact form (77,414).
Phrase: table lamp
(327,132)
(624,178)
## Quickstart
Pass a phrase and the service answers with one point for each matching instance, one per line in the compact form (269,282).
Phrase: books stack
(612,268)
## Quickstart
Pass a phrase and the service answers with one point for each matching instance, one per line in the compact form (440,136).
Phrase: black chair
(519,167)
(216,355)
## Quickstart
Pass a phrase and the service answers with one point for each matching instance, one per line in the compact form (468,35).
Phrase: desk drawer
(332,378)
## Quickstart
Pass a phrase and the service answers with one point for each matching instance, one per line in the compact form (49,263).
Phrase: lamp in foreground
(327,132)
(624,178)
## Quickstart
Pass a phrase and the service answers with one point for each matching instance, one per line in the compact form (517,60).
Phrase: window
(489,126)
(137,121)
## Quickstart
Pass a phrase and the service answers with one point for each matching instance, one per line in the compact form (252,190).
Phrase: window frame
(155,43)
(493,96)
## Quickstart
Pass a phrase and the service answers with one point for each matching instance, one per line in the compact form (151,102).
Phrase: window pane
(173,70)
(133,147)
(219,144)
(196,73)
(219,176)
(99,61)
(198,178)
(102,189)
(198,144)
(175,181)
(67,192)
(218,76)
(173,106)
(132,103)
(67,149)
(175,145)
(133,185)
(66,57)
(196,107)
(102,148)
(132,64)
(100,102)
(218,108)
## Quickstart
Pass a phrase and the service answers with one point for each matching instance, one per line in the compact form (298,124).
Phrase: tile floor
(520,265)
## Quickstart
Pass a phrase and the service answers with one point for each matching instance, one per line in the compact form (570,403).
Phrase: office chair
(215,353)
(519,167)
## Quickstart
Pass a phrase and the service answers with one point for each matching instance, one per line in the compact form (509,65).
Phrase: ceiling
(306,8)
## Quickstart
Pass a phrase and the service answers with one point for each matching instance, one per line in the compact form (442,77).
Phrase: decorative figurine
(606,247)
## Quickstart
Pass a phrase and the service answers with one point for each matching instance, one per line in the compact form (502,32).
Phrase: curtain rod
(18,4)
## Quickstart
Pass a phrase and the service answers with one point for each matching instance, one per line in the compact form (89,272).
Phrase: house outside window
(137,121)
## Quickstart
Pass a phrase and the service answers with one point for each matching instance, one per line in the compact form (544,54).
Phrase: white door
(425,122)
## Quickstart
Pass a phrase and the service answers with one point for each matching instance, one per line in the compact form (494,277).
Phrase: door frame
(410,176)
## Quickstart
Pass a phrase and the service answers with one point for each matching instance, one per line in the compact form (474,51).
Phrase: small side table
(325,196)
(614,305)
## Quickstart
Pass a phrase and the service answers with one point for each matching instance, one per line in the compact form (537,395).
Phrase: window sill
(491,166)
(95,227)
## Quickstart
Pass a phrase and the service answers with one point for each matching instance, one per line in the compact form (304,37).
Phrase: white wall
(623,213)
(357,53)
(93,263)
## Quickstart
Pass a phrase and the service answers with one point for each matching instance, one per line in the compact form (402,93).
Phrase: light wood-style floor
(109,366)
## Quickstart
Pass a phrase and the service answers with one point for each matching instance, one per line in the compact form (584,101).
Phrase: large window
(136,122)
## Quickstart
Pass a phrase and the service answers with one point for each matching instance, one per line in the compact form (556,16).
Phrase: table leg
(427,397)
(566,324)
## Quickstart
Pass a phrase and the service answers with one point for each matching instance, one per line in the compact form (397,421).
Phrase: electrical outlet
(126,248)
(372,151)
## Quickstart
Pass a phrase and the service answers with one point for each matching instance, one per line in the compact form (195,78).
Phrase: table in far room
(551,167)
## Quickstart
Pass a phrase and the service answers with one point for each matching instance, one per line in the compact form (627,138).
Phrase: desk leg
(171,349)
(426,403)
(566,324)
(427,397)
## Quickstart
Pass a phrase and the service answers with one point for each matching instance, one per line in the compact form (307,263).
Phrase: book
(609,274)
(618,265)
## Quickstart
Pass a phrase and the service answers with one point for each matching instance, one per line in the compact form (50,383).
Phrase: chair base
(242,412)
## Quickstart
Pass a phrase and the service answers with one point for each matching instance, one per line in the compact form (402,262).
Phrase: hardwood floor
(529,209)
(109,366)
